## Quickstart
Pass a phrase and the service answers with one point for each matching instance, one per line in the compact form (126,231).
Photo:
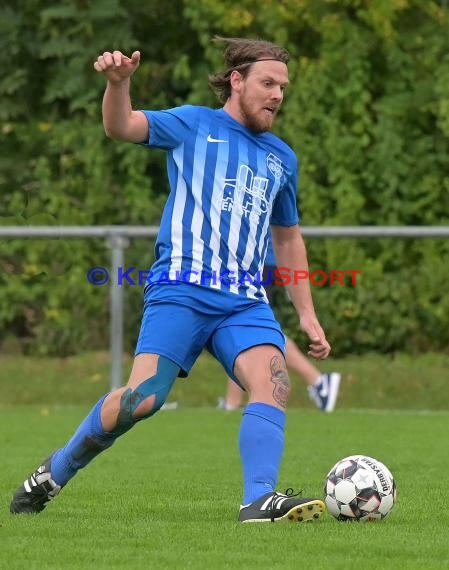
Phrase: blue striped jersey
(227,184)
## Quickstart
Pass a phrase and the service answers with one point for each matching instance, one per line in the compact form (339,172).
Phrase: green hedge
(367,111)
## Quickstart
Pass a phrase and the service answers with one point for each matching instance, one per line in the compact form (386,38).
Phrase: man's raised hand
(116,66)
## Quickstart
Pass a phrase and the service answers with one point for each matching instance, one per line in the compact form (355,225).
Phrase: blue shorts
(180,320)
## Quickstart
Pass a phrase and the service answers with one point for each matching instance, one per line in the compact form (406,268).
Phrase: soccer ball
(359,488)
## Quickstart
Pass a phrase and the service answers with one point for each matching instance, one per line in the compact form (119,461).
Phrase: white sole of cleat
(334,386)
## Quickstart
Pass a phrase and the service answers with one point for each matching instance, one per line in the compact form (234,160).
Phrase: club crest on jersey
(275,165)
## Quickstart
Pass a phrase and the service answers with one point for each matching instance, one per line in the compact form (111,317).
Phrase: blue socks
(261,443)
(88,441)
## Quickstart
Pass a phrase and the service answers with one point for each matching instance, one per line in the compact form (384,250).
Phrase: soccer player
(323,387)
(229,178)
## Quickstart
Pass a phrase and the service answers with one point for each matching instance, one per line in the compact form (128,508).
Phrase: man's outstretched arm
(119,120)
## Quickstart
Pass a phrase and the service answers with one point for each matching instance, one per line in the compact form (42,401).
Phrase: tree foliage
(367,111)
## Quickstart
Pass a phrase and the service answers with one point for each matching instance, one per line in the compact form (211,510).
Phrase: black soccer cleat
(277,507)
(36,491)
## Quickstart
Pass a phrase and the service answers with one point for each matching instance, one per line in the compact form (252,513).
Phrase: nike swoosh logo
(210,139)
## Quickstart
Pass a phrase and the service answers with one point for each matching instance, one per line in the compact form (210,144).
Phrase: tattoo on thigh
(281,381)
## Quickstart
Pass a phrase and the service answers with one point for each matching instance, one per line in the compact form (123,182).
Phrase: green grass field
(166,495)
(371,381)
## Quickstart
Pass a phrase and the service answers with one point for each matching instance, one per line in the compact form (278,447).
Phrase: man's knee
(148,397)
